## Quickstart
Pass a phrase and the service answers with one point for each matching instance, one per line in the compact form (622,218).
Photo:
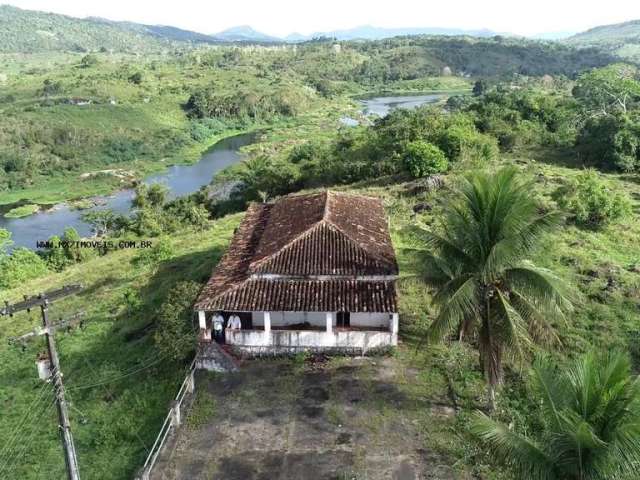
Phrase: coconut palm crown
(590,416)
(485,286)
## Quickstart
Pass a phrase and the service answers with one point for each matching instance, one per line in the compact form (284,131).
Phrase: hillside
(121,387)
(621,39)
(27,31)
(245,33)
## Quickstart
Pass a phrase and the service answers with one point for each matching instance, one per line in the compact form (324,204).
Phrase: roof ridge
(325,214)
(300,236)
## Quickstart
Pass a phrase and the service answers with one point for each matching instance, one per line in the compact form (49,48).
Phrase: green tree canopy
(590,417)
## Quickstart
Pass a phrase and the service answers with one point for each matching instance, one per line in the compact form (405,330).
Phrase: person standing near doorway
(235,323)
(218,328)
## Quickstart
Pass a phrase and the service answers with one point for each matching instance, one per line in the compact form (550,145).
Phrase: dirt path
(282,420)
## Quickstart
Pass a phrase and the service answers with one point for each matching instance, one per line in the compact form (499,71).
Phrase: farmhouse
(307,272)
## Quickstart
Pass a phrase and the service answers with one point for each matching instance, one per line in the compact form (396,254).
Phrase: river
(181,180)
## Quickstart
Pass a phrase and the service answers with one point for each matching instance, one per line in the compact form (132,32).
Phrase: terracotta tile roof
(298,239)
(307,295)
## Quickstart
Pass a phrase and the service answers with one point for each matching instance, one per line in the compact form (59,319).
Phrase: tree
(591,202)
(19,265)
(22,265)
(484,286)
(611,141)
(88,61)
(153,196)
(479,88)
(103,222)
(49,88)
(175,335)
(590,413)
(423,158)
(607,90)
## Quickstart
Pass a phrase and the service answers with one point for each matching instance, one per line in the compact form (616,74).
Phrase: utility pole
(43,301)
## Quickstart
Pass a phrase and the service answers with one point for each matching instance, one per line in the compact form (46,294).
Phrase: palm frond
(523,455)
(454,306)
(513,332)
(535,316)
(541,287)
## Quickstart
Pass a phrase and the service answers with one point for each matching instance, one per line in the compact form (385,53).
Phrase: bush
(19,266)
(611,142)
(422,159)
(592,203)
(119,150)
(136,78)
(175,335)
(159,252)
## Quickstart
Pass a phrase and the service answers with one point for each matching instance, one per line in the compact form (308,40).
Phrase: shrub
(175,335)
(591,202)
(21,265)
(159,252)
(136,78)
(423,158)
(119,150)
(88,61)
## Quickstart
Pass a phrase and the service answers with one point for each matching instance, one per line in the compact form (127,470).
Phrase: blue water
(181,180)
(381,106)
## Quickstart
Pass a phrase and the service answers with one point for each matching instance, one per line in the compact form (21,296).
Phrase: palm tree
(591,418)
(484,286)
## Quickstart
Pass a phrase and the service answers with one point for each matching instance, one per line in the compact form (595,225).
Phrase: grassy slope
(114,424)
(122,417)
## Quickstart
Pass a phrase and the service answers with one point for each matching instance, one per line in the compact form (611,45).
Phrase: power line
(43,301)
(120,377)
(22,422)
(27,442)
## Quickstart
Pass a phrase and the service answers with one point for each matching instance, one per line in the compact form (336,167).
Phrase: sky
(280,17)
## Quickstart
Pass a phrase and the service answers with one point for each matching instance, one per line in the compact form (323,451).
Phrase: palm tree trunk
(490,355)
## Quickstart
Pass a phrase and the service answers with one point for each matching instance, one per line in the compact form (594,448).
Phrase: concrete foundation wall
(288,339)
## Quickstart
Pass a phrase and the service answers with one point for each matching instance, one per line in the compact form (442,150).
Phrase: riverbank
(86,183)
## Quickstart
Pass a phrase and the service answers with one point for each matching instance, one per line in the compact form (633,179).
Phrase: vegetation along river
(181,179)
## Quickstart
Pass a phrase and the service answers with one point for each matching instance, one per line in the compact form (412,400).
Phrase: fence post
(143,474)
(191,384)
(175,413)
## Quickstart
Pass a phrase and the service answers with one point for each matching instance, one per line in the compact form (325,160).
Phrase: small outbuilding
(311,272)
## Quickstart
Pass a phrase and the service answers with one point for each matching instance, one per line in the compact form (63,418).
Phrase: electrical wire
(26,442)
(115,379)
(21,423)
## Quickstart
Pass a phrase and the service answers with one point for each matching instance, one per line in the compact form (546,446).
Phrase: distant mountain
(627,32)
(244,33)
(369,32)
(552,35)
(619,39)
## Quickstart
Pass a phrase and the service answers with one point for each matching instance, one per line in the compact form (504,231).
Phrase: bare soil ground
(345,418)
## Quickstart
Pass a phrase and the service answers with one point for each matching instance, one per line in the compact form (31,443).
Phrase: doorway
(343,320)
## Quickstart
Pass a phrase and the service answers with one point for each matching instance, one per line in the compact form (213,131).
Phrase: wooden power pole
(43,301)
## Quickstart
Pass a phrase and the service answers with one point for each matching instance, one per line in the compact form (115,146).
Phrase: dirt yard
(342,419)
